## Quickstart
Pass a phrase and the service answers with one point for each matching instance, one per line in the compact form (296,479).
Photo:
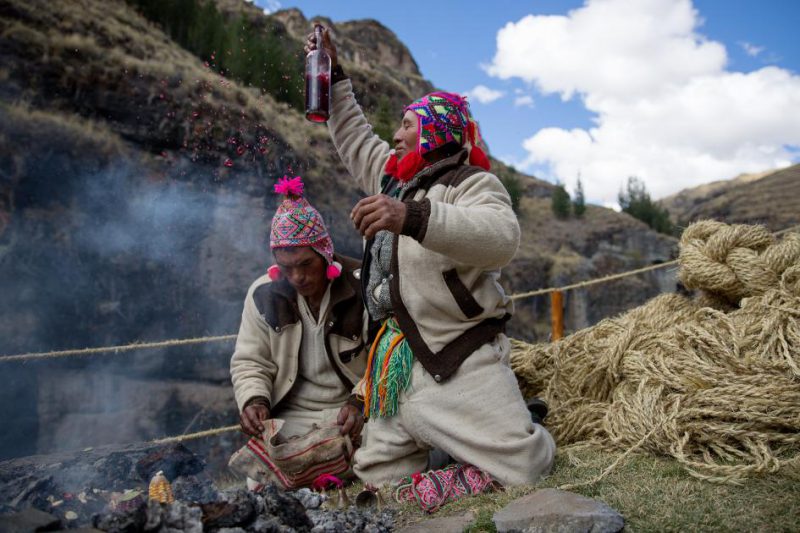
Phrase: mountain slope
(771,198)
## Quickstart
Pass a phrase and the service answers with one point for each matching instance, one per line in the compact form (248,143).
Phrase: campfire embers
(107,489)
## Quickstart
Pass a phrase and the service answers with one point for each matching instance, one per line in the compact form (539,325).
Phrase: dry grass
(653,494)
(769,198)
(88,135)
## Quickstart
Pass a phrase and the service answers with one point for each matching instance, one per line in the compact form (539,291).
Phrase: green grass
(653,494)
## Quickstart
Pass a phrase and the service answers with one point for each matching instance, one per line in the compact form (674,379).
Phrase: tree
(560,201)
(579,203)
(635,201)
(384,121)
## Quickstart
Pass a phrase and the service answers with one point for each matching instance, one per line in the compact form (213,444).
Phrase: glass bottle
(318,81)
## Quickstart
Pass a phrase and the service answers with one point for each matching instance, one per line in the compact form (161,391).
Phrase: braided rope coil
(713,382)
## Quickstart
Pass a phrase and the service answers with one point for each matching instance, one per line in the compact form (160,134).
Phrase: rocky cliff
(135,197)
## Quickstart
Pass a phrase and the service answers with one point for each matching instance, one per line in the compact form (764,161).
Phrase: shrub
(560,201)
(579,203)
(635,201)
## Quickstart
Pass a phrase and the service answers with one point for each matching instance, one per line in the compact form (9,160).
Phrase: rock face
(552,510)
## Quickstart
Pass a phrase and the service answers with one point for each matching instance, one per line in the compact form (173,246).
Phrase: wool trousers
(478,416)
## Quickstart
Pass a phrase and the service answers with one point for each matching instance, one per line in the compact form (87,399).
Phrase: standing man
(439,228)
(300,347)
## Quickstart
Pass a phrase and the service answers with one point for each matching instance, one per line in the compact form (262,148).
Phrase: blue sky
(676,92)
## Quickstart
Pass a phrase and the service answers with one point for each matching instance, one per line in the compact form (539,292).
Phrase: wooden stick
(557,315)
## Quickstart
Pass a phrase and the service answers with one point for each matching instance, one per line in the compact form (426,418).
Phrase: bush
(635,201)
(560,201)
(578,203)
(384,121)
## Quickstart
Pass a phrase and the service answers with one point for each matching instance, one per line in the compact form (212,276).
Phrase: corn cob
(160,489)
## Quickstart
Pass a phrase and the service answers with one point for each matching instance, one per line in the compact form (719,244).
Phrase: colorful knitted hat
(297,223)
(442,118)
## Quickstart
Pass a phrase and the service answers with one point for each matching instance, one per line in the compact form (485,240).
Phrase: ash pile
(106,489)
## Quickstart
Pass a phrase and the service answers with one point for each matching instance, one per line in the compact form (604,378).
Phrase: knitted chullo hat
(297,223)
(442,118)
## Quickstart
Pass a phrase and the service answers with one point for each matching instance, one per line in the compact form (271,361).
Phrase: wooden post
(557,315)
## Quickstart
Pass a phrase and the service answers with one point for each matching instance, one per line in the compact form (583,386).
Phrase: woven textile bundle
(712,381)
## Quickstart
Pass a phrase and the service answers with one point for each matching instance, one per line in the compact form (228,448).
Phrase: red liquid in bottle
(318,81)
(317,97)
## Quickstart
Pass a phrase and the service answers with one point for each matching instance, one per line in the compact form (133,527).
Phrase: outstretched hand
(378,212)
(327,45)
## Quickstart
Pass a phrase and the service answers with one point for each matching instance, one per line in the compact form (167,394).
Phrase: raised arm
(363,153)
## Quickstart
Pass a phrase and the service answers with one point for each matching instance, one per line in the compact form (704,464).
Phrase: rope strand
(114,349)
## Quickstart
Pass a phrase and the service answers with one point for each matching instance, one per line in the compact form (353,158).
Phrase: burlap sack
(297,461)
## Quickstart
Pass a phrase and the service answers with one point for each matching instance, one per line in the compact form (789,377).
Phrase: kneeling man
(300,347)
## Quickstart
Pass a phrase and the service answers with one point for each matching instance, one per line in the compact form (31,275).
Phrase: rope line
(220,338)
(595,281)
(115,349)
(196,435)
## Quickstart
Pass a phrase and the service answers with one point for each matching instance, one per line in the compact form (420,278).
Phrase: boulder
(552,510)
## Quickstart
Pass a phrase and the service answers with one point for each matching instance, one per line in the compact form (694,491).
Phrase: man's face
(405,138)
(304,269)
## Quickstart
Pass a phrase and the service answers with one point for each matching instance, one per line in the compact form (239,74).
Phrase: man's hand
(351,421)
(252,418)
(327,45)
(375,213)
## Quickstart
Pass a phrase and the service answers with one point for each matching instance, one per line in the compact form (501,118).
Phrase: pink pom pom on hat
(297,223)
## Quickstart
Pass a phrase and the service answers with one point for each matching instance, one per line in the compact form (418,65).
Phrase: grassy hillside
(771,198)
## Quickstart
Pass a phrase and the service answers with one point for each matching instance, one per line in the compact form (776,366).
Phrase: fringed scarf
(388,371)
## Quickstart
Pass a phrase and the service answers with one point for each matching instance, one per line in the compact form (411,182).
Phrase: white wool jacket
(268,348)
(460,230)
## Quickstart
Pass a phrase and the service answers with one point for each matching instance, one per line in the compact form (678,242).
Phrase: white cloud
(525,100)
(751,49)
(666,109)
(484,94)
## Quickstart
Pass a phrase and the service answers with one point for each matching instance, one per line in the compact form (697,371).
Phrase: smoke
(117,257)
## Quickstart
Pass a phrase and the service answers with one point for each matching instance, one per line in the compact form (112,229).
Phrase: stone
(29,520)
(309,498)
(352,519)
(129,518)
(198,489)
(285,507)
(174,460)
(174,516)
(444,524)
(238,510)
(553,510)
